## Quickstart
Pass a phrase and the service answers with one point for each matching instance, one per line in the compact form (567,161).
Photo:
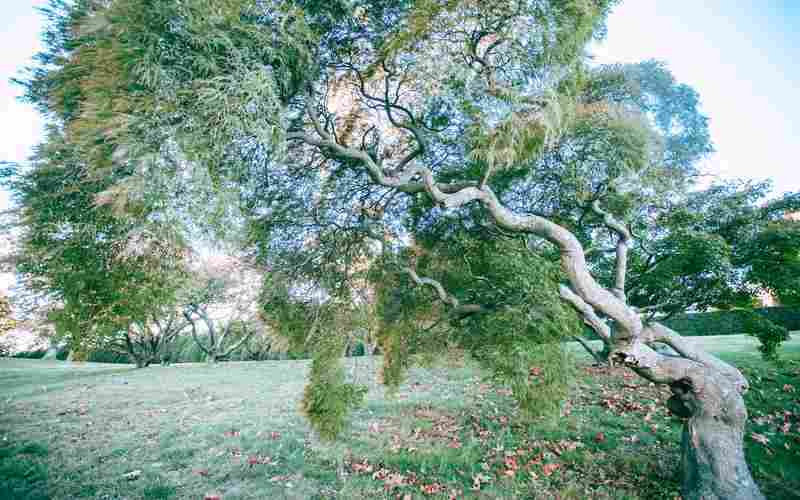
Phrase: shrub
(37,354)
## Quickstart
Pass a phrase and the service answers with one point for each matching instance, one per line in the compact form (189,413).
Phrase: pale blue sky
(742,56)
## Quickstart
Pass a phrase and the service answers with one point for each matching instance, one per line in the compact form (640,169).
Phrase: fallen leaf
(432,489)
(548,469)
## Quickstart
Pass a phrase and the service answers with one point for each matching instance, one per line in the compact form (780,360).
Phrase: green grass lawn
(85,430)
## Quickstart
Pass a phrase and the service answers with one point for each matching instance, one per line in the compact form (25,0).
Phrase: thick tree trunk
(707,392)
(713,461)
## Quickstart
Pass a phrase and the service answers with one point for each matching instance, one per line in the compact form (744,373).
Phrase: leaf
(548,469)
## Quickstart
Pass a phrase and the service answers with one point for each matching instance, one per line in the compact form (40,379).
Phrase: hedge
(731,322)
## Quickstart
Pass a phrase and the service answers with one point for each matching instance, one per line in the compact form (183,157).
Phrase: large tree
(723,247)
(428,126)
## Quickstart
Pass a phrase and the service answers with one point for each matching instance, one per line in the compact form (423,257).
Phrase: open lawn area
(82,430)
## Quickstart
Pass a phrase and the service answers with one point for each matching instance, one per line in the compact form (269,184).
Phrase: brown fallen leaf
(548,469)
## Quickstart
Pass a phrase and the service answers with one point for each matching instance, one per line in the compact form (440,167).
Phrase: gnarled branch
(623,243)
(458,309)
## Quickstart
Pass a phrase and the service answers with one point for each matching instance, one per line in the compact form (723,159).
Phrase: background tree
(7,323)
(710,249)
(222,299)
(149,340)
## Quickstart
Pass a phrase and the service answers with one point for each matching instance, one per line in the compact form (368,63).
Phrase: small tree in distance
(223,300)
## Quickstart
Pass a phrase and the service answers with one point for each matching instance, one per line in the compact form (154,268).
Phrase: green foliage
(328,398)
(520,331)
(723,247)
(731,322)
(768,333)
(774,257)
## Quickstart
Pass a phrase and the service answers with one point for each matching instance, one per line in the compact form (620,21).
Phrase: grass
(75,430)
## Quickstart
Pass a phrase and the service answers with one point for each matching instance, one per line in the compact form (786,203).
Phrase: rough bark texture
(713,460)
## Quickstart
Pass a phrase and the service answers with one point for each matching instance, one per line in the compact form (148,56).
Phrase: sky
(742,57)
(739,55)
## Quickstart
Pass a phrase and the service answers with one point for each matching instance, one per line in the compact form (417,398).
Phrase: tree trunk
(713,461)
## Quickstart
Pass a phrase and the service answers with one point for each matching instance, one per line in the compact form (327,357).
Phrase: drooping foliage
(89,244)
(508,314)
(328,398)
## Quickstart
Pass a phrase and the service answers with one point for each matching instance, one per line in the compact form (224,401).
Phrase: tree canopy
(460,168)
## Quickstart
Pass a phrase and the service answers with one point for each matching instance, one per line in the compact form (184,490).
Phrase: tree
(475,125)
(718,247)
(148,340)
(87,244)
(224,299)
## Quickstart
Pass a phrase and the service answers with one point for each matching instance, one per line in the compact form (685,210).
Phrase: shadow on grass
(23,470)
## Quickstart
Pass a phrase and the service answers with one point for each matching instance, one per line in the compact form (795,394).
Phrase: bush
(768,334)
(735,322)
(38,354)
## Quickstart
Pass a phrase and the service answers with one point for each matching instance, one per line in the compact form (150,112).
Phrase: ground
(84,430)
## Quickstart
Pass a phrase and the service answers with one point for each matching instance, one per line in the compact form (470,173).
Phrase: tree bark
(713,460)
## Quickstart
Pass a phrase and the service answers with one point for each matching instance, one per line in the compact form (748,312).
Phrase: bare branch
(458,194)
(588,313)
(458,309)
